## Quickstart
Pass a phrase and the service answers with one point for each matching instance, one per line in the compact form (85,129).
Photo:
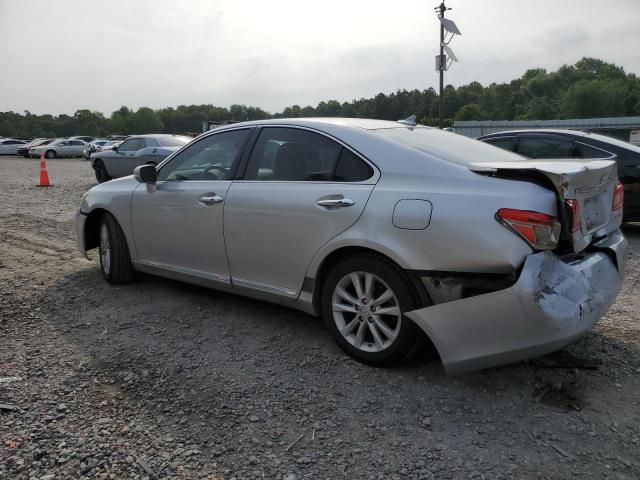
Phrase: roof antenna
(409,121)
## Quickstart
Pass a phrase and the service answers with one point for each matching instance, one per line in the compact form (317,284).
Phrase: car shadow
(219,357)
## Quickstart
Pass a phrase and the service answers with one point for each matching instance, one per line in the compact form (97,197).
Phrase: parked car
(9,146)
(24,149)
(95,146)
(571,144)
(394,233)
(60,147)
(137,150)
(83,138)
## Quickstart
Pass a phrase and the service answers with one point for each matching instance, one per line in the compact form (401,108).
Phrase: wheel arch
(92,228)
(419,293)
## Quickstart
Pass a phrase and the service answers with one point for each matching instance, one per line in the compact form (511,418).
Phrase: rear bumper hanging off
(552,303)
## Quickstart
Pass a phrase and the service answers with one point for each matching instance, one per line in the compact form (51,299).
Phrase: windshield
(173,141)
(448,146)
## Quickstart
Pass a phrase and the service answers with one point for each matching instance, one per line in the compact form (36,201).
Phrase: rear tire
(357,323)
(50,154)
(101,172)
(115,261)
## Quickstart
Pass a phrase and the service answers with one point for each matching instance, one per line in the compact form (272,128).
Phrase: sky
(58,56)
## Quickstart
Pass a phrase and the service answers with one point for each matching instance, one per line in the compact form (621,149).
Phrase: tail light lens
(539,230)
(618,197)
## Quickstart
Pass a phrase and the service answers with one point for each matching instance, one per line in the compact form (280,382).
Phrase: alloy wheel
(366,311)
(105,249)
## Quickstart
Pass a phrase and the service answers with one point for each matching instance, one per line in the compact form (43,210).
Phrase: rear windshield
(173,141)
(448,146)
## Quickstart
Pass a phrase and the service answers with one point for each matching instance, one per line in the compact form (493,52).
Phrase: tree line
(589,88)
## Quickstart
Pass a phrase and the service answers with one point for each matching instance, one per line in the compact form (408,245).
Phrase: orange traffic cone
(44,176)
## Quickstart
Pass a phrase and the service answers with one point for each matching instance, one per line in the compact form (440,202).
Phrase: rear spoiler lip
(563,174)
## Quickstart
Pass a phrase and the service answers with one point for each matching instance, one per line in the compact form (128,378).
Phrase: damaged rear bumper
(553,303)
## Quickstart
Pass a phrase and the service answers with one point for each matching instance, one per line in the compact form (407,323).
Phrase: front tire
(101,172)
(115,261)
(50,154)
(363,301)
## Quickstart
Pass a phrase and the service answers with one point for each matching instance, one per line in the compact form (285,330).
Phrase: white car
(62,147)
(9,146)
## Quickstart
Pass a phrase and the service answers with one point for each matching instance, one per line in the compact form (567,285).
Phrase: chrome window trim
(369,181)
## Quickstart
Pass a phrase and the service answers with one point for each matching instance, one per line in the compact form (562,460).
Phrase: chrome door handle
(336,202)
(210,199)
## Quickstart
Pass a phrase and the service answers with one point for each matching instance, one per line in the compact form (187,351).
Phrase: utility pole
(443,65)
(442,62)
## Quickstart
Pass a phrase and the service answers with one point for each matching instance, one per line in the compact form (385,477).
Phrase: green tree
(145,120)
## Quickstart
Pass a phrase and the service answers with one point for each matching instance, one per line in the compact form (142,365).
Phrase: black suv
(571,144)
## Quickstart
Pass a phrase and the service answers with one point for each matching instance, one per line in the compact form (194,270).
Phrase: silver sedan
(397,235)
(121,159)
(61,147)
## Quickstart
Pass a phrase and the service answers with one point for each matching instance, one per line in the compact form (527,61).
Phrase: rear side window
(292,154)
(351,168)
(587,151)
(506,143)
(541,147)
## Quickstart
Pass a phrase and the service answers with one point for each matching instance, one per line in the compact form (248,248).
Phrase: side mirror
(146,174)
(115,149)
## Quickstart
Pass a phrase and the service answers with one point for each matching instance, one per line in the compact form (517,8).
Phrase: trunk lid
(590,183)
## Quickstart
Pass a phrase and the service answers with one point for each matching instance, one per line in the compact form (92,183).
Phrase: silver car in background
(396,234)
(132,152)
(61,147)
(10,146)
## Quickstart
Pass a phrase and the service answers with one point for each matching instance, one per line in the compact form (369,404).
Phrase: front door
(125,160)
(300,190)
(178,222)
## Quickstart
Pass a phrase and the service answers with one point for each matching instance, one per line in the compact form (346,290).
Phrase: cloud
(101,55)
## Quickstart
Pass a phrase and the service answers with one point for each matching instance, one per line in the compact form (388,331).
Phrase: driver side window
(208,159)
(127,146)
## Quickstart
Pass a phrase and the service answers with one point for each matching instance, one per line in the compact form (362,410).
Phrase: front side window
(292,154)
(541,147)
(211,158)
(128,145)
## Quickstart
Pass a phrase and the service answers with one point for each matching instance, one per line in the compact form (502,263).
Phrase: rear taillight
(539,230)
(618,197)
(574,215)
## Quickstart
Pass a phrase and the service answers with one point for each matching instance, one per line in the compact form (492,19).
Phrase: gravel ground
(159,379)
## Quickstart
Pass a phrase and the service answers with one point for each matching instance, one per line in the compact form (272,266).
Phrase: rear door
(63,149)
(76,148)
(178,222)
(300,189)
